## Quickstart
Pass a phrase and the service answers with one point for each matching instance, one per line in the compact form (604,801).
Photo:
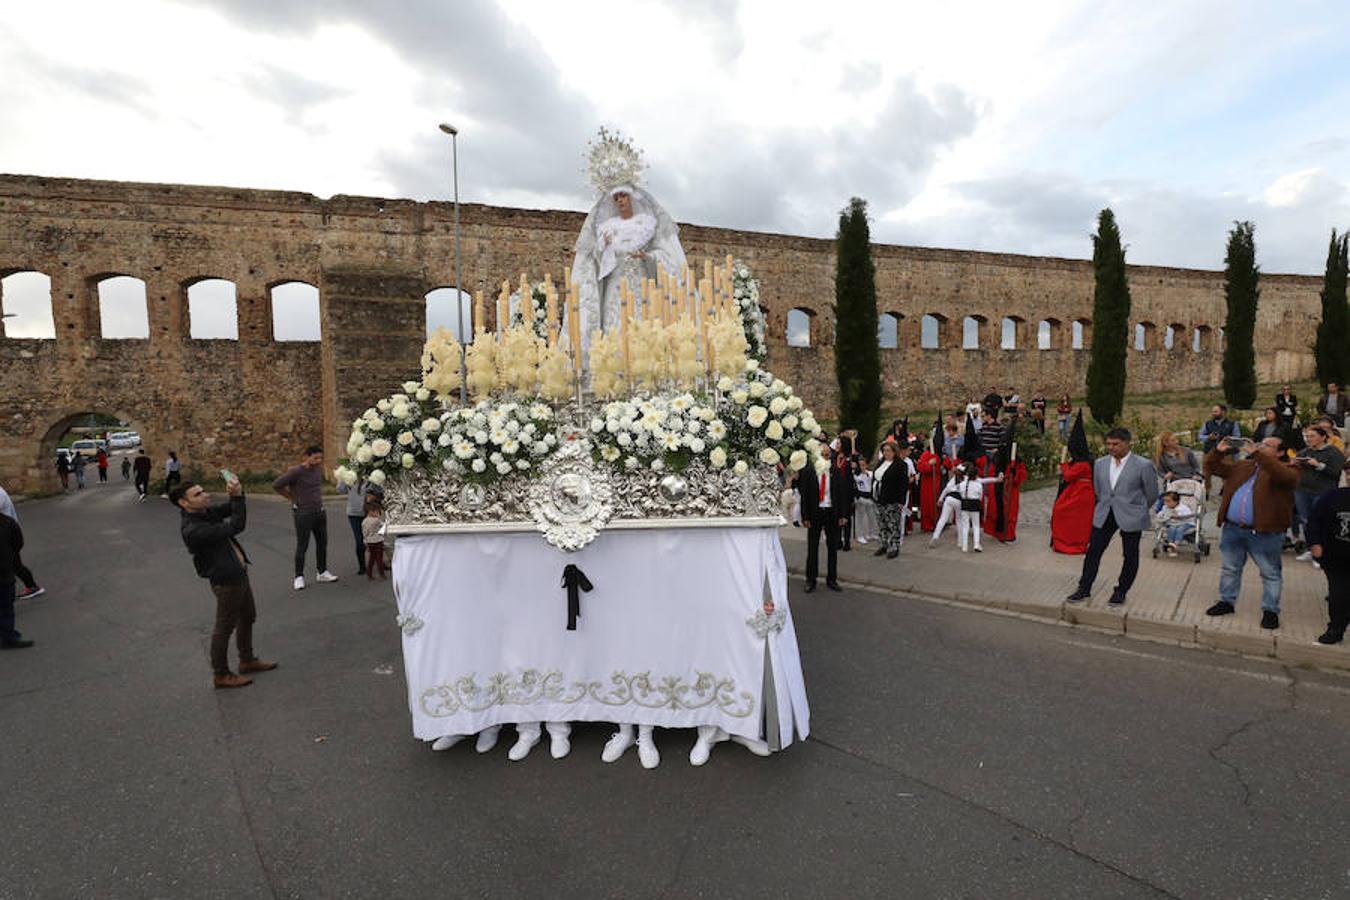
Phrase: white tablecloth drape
(673,633)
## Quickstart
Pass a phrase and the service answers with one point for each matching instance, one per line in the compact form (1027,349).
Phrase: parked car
(86,447)
(121,440)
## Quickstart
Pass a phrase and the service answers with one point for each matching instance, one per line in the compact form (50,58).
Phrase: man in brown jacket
(1257,507)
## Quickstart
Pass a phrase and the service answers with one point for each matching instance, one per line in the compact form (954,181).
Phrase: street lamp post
(459,284)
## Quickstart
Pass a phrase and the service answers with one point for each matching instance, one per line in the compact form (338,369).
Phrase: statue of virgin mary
(626,236)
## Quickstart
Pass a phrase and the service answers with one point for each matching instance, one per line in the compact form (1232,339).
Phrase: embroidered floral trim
(763,624)
(533,687)
(409,623)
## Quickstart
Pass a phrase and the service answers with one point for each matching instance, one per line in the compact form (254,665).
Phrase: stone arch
(1202,339)
(1145,336)
(1080,334)
(295,311)
(972,328)
(121,306)
(65,419)
(452,310)
(26,305)
(212,307)
(801,326)
(1049,334)
(1171,334)
(933,331)
(1012,333)
(888,330)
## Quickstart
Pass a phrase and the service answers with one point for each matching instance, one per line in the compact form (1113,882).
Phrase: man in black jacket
(827,503)
(208,532)
(1286,407)
(11,542)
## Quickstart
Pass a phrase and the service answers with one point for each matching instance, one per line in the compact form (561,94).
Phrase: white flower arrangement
(538,311)
(745,291)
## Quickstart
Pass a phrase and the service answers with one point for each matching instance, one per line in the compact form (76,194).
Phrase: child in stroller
(1179,520)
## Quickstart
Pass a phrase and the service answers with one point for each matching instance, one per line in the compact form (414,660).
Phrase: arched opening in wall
(212,310)
(1080,334)
(799,327)
(888,330)
(1048,335)
(295,311)
(1011,339)
(970,332)
(26,306)
(122,311)
(452,310)
(85,433)
(1171,336)
(1201,338)
(932,331)
(1145,336)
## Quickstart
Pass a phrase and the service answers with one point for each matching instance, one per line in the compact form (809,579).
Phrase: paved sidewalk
(1167,602)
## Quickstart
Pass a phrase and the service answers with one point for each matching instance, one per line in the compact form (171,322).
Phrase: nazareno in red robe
(933,471)
(1071,518)
(1011,488)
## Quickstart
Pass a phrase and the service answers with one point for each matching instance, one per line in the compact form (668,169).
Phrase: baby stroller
(1191,496)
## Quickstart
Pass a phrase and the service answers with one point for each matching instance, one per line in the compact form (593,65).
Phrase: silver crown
(612,160)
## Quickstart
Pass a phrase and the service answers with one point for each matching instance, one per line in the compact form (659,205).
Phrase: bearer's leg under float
(559,733)
(623,739)
(487,739)
(708,735)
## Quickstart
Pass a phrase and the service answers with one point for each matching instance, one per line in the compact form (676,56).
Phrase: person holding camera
(209,533)
(1319,466)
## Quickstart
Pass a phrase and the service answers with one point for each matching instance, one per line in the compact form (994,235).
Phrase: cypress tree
(1110,322)
(1241,293)
(1333,332)
(857,359)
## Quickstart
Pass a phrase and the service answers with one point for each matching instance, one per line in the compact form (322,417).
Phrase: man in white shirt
(827,502)
(1126,487)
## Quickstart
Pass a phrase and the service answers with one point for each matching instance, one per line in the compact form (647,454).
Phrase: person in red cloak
(933,468)
(1001,503)
(1071,517)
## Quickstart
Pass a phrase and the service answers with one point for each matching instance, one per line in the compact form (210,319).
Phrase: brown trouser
(375,559)
(234,613)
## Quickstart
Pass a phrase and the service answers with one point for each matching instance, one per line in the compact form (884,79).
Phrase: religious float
(585,500)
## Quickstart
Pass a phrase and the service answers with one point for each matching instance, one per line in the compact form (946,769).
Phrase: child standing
(970,493)
(1180,521)
(372,534)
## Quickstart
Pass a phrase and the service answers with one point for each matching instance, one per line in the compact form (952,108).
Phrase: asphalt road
(953,754)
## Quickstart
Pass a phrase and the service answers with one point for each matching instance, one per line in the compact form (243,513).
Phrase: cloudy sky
(996,126)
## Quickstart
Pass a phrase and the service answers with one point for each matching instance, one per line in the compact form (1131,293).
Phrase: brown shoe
(231,681)
(256,665)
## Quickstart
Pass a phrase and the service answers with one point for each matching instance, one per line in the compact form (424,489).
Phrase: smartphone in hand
(228,476)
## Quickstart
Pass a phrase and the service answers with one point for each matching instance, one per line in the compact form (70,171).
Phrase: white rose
(409,386)
(408,460)
(779,386)
(370,414)
(794,403)
(444,439)
(376,477)
(774,432)
(811,425)
(405,438)
(740,398)
(777,406)
(740,468)
(751,365)
(718,457)
(400,410)
(478,465)
(382,406)
(757,390)
(697,444)
(725,384)
(377,424)
(756,416)
(431,425)
(812,446)
(423,395)
(381,447)
(789,422)
(769,456)
(364,454)
(797,461)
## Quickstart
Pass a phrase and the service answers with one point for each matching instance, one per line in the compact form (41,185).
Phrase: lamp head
(449,129)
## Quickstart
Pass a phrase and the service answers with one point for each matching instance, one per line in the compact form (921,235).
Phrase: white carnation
(431,425)
(377,424)
(444,439)
(400,410)
(423,395)
(478,465)
(365,454)
(740,398)
(376,477)
(503,467)
(740,468)
(789,422)
(718,457)
(409,386)
(757,389)
(697,444)
(777,406)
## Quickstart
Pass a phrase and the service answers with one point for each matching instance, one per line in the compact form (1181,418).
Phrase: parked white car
(121,440)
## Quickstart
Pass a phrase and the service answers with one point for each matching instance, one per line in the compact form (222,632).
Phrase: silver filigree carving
(763,624)
(569,501)
(534,687)
(409,623)
(673,488)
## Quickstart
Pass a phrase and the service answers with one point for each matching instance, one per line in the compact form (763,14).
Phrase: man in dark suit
(827,503)
(1286,407)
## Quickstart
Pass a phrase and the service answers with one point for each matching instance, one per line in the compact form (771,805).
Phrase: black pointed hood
(1078,444)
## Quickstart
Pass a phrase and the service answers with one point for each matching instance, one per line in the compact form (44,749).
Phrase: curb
(1267,646)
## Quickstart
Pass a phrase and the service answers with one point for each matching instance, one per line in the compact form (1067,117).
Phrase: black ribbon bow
(572,579)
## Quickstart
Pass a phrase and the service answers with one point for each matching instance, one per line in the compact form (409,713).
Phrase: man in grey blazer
(1126,487)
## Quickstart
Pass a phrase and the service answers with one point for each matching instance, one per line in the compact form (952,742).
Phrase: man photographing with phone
(209,533)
